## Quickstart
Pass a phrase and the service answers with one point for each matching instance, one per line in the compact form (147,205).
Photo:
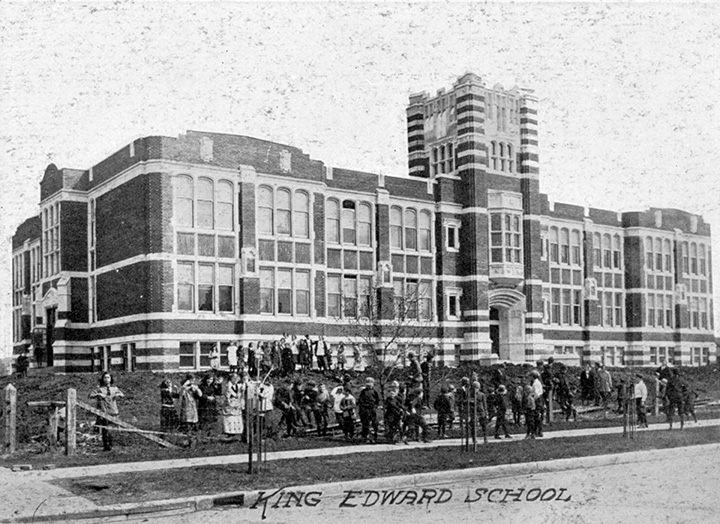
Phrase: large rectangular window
(206,280)
(284,291)
(186,286)
(334,296)
(225,288)
(302,292)
(267,291)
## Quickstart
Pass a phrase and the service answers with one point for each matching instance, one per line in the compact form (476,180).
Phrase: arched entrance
(507,324)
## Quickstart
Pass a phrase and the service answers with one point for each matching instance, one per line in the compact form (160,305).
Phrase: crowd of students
(218,402)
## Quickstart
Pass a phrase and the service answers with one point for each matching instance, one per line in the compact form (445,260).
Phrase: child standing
(347,405)
(500,411)
(443,406)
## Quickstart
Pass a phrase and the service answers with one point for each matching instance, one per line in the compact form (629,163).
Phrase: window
(555,307)
(617,257)
(564,246)
(396,228)
(186,286)
(668,311)
(224,208)
(51,239)
(410,229)
(334,296)
(265,211)
(693,259)
(452,236)
(284,291)
(685,264)
(453,303)
(607,256)
(302,293)
(651,310)
(225,288)
(332,221)
(187,355)
(577,308)
(283,212)
(667,251)
(575,247)
(566,306)
(597,250)
(206,278)
(703,313)
(425,299)
(349,297)
(424,230)
(365,298)
(205,217)
(554,249)
(348,222)
(703,260)
(505,239)
(301,215)
(364,225)
(184,201)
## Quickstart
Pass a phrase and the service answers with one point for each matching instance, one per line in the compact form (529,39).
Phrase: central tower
(479,148)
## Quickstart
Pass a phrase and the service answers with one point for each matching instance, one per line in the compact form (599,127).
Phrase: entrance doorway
(50,315)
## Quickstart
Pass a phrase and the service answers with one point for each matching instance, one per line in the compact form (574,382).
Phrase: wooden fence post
(10,413)
(70,419)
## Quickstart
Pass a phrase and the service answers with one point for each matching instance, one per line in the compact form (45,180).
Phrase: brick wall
(121,222)
(123,291)
(73,236)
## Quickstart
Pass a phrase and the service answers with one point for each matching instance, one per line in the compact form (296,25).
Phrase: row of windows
(564,246)
(607,251)
(564,307)
(410,230)
(443,159)
(51,240)
(203,203)
(284,213)
(348,222)
(659,310)
(690,264)
(205,287)
(506,238)
(612,356)
(501,156)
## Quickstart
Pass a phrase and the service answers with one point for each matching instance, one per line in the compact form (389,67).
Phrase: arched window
(703,260)
(617,252)
(301,215)
(332,221)
(564,246)
(224,205)
(265,210)
(658,255)
(554,245)
(667,251)
(597,249)
(410,229)
(396,227)
(685,264)
(183,203)
(205,203)
(510,157)
(424,231)
(348,222)
(575,249)
(693,259)
(283,212)
(649,259)
(607,253)
(364,225)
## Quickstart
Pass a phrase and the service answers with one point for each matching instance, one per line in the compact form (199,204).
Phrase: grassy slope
(141,408)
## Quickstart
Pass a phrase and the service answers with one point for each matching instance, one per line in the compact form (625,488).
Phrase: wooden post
(70,419)
(248,430)
(657,397)
(10,413)
(551,416)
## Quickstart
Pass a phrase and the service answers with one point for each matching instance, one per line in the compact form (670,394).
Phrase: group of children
(287,355)
(192,407)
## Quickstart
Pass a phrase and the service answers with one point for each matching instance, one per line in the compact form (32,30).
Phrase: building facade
(173,246)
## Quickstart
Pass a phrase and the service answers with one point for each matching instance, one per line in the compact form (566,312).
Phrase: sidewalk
(31,496)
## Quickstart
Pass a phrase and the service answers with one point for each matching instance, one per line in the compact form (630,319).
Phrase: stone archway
(507,323)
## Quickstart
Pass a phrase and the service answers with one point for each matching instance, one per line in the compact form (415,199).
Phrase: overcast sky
(629,93)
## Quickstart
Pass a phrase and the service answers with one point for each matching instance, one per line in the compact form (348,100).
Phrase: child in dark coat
(443,406)
(500,411)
